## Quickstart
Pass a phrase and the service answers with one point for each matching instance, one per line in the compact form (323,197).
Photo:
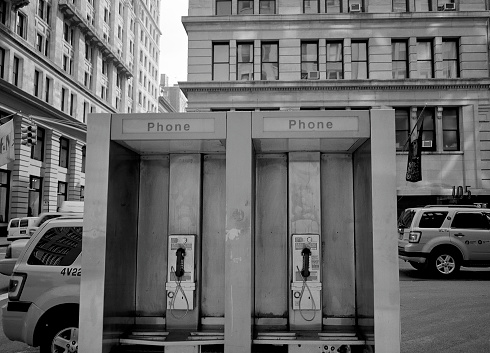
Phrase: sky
(173,42)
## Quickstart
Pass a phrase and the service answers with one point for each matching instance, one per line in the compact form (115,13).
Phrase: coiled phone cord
(305,285)
(172,301)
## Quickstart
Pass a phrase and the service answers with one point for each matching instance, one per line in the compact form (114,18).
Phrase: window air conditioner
(427,144)
(247,76)
(355,8)
(313,75)
(449,6)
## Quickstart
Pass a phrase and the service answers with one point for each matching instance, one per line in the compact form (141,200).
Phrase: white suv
(44,289)
(441,239)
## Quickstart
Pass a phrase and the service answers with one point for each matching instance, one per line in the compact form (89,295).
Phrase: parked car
(441,239)
(21,228)
(44,289)
(11,255)
(67,209)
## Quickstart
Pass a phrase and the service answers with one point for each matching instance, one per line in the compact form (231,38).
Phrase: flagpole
(416,124)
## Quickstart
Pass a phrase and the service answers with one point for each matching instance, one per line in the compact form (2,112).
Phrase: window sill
(434,153)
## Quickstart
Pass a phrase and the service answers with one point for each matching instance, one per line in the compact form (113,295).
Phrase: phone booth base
(180,296)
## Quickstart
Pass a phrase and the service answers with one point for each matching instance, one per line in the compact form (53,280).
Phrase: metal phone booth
(325,259)
(154,219)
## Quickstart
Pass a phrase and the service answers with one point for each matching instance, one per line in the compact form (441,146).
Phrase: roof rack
(452,206)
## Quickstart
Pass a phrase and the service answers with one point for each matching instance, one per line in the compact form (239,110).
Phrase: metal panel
(338,237)
(239,234)
(185,218)
(121,238)
(304,215)
(271,237)
(213,236)
(152,238)
(94,230)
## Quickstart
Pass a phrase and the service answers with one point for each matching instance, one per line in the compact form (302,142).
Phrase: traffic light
(29,135)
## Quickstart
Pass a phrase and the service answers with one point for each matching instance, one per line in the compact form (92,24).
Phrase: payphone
(306,285)
(180,284)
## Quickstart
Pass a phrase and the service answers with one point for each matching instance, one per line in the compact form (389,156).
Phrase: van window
(24,222)
(59,246)
(14,223)
(405,219)
(470,221)
(432,219)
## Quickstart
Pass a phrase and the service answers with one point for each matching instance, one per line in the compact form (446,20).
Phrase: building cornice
(337,85)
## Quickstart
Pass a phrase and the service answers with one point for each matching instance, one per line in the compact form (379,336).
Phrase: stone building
(59,61)
(426,59)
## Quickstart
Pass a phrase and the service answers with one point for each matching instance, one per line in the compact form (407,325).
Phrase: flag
(414,164)
(7,153)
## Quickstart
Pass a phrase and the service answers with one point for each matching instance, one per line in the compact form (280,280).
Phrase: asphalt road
(437,316)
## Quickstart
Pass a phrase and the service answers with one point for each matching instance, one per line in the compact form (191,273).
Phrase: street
(437,316)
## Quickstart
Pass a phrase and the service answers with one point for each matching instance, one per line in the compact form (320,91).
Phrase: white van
(21,228)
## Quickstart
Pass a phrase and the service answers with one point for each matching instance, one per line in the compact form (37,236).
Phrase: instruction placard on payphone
(306,285)
(180,284)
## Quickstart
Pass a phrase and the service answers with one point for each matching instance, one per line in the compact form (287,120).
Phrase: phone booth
(240,232)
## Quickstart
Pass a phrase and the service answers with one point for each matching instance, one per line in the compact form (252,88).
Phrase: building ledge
(337,85)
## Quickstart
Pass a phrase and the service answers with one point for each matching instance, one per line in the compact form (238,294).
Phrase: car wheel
(61,339)
(445,263)
(418,266)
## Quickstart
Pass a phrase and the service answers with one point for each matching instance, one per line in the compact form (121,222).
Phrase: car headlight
(414,237)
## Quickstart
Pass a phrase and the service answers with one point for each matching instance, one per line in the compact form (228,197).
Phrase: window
(429,133)
(450,62)
(267,7)
(223,7)
(400,6)
(309,58)
(245,7)
(2,62)
(402,126)
(245,61)
(85,112)
(432,219)
(335,64)
(16,72)
(221,63)
(423,5)
(311,6)
(359,60)
(64,149)
(37,80)
(82,193)
(270,61)
(21,28)
(63,98)
(4,194)
(359,7)
(43,10)
(424,59)
(450,129)
(35,187)
(67,33)
(59,246)
(39,43)
(399,59)
(470,220)
(333,6)
(107,15)
(3,12)
(47,90)
(104,67)
(37,150)
(62,188)
(84,157)
(73,101)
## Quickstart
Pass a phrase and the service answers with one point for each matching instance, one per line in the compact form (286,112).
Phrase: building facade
(59,61)
(426,59)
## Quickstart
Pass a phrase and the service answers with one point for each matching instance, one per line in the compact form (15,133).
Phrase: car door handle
(459,235)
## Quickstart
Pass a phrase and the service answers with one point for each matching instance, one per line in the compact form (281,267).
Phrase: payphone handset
(306,257)
(181,255)
(180,284)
